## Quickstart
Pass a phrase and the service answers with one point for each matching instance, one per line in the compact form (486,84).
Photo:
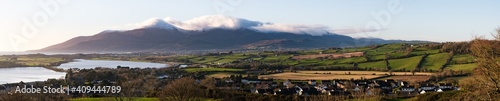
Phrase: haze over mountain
(210,33)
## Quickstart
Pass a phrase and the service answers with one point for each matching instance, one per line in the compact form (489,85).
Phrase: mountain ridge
(156,39)
(213,32)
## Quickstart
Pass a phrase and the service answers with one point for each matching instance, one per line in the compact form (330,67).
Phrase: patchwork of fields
(371,58)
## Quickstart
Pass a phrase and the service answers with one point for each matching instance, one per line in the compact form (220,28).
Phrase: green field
(373,65)
(230,58)
(212,69)
(273,58)
(395,64)
(38,60)
(315,51)
(349,60)
(462,58)
(422,52)
(463,67)
(360,49)
(405,63)
(377,57)
(388,48)
(435,62)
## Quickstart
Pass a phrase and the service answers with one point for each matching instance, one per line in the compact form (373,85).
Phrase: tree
(387,57)
(487,54)
(183,89)
(497,34)
(485,83)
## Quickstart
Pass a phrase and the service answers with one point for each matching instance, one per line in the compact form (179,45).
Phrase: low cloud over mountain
(225,22)
(212,32)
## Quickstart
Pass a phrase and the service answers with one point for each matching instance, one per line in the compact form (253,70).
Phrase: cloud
(157,23)
(225,22)
(316,30)
(355,30)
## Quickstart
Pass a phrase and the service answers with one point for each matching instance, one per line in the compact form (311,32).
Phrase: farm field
(373,65)
(221,74)
(435,62)
(334,56)
(405,63)
(34,61)
(422,52)
(463,67)
(462,58)
(388,48)
(395,64)
(212,69)
(364,72)
(409,78)
(307,76)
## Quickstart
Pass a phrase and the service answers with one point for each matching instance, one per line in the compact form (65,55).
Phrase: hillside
(201,34)
(404,57)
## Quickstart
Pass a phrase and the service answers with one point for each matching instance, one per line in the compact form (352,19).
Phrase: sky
(35,24)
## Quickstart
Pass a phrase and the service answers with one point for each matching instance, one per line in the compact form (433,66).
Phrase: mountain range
(210,33)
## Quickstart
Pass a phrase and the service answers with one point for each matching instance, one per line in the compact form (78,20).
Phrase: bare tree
(183,89)
(497,34)
(485,83)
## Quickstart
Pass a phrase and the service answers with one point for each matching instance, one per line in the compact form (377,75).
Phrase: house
(298,83)
(310,91)
(408,89)
(385,86)
(446,86)
(3,89)
(390,80)
(422,92)
(122,67)
(326,82)
(286,91)
(183,66)
(249,81)
(264,91)
(336,91)
(274,84)
(311,82)
(402,83)
(363,83)
(427,87)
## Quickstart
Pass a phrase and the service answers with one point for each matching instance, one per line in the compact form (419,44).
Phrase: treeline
(4,64)
(456,47)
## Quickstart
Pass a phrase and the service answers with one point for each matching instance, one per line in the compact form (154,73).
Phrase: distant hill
(160,35)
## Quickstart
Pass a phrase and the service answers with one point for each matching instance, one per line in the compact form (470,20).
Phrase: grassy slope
(434,62)
(422,52)
(378,64)
(462,58)
(230,58)
(463,67)
(33,61)
(405,63)
(396,64)
(389,48)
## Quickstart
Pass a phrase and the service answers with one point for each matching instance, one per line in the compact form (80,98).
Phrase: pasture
(306,76)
